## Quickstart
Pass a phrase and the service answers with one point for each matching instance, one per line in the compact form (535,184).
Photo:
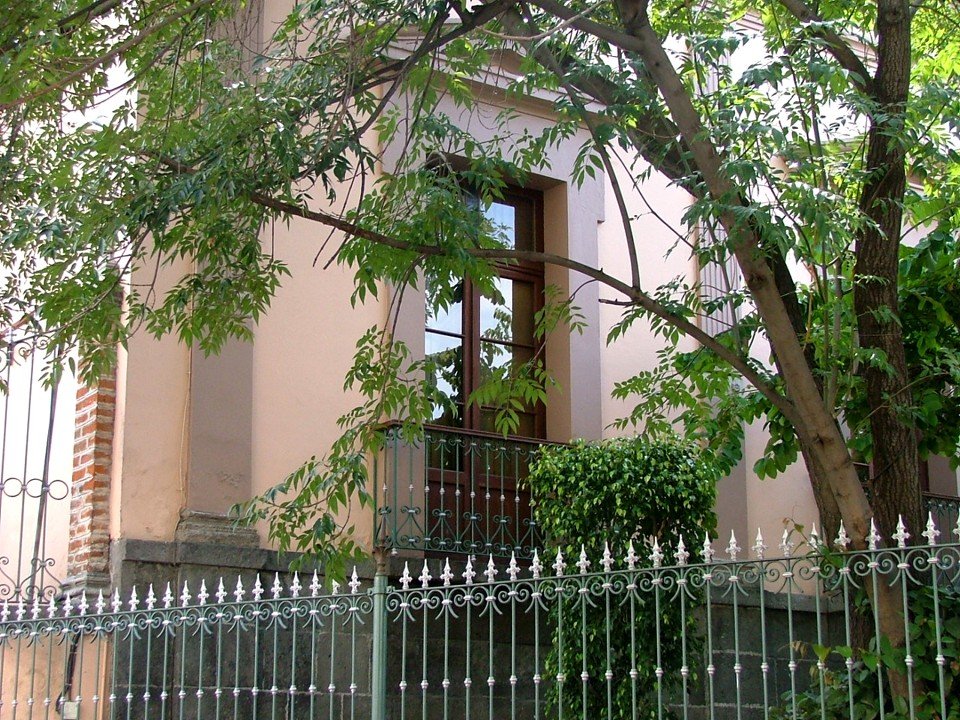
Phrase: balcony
(455,491)
(946,514)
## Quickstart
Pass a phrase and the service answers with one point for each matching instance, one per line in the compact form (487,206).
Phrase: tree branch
(838,47)
(106,58)
(636,296)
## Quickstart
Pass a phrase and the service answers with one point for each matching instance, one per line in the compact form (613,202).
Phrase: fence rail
(607,636)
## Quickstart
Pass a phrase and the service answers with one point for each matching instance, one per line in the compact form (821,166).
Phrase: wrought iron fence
(34,500)
(573,637)
(455,492)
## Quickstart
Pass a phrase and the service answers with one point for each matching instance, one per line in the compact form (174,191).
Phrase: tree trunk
(816,425)
(895,481)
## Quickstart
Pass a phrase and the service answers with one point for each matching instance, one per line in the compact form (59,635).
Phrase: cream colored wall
(637,349)
(303,349)
(151,453)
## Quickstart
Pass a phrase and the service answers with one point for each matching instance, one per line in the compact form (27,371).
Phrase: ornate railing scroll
(455,492)
(591,636)
(36,433)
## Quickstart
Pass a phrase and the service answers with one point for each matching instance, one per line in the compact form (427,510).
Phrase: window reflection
(509,318)
(446,355)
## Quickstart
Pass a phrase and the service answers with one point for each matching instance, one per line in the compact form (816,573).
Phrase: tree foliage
(807,165)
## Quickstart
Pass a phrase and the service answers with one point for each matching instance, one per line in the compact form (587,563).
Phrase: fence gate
(36,451)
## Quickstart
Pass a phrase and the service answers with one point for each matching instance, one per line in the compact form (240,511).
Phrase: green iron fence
(614,636)
(455,492)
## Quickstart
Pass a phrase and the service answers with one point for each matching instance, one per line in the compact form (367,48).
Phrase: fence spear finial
(632,556)
(134,600)
(607,560)
(759,547)
(276,589)
(295,586)
(843,540)
(583,564)
(257,588)
(315,584)
(115,602)
(354,583)
(447,575)
(168,597)
(425,576)
(559,564)
(185,595)
(536,567)
(931,533)
(682,554)
(707,548)
(733,549)
(151,600)
(491,571)
(901,535)
(656,557)
(469,573)
(221,591)
(238,590)
(405,577)
(786,544)
(512,569)
(873,539)
(814,541)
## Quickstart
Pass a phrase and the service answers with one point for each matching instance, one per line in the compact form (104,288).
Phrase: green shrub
(833,701)
(616,491)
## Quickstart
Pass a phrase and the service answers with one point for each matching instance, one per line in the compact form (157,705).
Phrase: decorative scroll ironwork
(481,638)
(456,492)
(33,502)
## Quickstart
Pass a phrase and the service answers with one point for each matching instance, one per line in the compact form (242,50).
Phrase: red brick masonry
(89,549)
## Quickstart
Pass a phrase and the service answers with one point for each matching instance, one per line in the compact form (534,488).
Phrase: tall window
(478,334)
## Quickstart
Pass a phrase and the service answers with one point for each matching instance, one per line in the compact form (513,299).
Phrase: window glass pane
(511,321)
(503,219)
(495,356)
(449,319)
(447,376)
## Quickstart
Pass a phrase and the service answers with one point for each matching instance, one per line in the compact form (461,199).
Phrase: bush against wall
(620,491)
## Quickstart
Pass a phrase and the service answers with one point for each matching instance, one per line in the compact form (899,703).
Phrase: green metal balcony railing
(944,509)
(456,492)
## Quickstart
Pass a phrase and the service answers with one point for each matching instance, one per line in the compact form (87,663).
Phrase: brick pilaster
(88,554)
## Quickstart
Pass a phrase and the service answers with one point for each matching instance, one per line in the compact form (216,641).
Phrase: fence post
(378,685)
